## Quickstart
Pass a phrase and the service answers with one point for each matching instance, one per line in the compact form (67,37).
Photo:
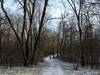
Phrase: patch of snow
(49,67)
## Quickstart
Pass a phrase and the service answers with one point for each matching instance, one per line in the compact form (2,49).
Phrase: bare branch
(9,20)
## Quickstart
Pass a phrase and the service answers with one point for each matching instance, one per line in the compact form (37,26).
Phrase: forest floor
(49,67)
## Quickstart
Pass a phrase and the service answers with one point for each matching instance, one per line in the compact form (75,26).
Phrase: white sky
(10,5)
(55,9)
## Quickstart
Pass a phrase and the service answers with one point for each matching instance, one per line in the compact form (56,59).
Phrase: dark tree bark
(0,32)
(39,32)
(72,4)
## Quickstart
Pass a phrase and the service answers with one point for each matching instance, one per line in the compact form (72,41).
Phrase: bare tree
(28,18)
(40,29)
(78,13)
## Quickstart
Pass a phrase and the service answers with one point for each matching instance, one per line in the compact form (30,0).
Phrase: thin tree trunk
(81,49)
(39,33)
(0,32)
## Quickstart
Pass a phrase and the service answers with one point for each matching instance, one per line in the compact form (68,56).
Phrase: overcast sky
(55,8)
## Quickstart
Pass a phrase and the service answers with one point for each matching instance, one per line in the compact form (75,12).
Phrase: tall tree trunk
(39,32)
(80,39)
(0,32)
